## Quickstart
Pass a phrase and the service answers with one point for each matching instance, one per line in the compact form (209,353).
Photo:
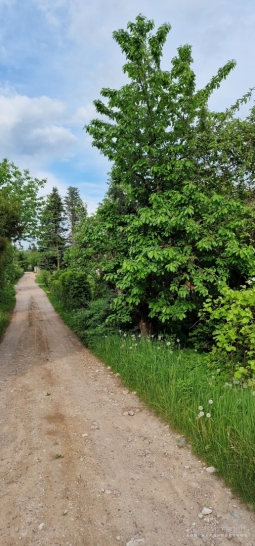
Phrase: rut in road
(77,469)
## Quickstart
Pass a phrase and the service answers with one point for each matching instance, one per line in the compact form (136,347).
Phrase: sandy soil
(76,471)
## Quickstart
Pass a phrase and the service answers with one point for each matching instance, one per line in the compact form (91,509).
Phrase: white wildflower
(201,414)
(130,347)
(195,350)
(159,338)
(168,343)
(253,393)
(125,335)
(210,401)
(178,341)
(249,282)
(200,408)
(218,370)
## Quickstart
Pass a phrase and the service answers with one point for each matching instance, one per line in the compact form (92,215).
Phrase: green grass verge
(175,384)
(7,304)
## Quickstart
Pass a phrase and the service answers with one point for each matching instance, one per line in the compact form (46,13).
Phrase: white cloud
(34,126)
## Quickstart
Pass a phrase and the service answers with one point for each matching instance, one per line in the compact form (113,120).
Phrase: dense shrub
(75,289)
(233,315)
(10,272)
(69,286)
(90,323)
(44,277)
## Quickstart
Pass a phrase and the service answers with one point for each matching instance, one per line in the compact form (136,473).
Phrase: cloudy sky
(56,55)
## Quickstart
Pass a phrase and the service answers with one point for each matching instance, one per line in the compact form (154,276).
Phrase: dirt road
(76,471)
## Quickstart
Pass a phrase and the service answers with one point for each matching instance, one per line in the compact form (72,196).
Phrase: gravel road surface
(83,462)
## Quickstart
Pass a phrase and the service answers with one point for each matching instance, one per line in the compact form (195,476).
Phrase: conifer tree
(52,240)
(75,210)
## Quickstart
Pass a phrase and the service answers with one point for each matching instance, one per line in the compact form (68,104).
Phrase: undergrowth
(7,304)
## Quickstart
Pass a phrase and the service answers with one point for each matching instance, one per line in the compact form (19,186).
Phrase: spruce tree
(75,210)
(52,240)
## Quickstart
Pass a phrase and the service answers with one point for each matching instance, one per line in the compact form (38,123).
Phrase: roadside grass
(179,387)
(7,304)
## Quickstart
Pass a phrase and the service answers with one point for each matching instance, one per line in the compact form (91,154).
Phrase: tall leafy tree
(184,171)
(52,240)
(160,131)
(75,210)
(19,211)
(19,202)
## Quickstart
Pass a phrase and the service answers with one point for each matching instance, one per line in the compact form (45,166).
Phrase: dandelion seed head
(178,341)
(200,408)
(201,414)
(208,415)
(218,370)
(210,401)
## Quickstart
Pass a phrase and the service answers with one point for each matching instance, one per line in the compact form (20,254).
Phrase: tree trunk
(141,319)
(145,327)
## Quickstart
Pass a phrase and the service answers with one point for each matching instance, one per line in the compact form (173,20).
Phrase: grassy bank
(7,304)
(215,415)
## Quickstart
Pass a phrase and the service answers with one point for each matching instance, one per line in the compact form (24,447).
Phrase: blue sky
(56,55)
